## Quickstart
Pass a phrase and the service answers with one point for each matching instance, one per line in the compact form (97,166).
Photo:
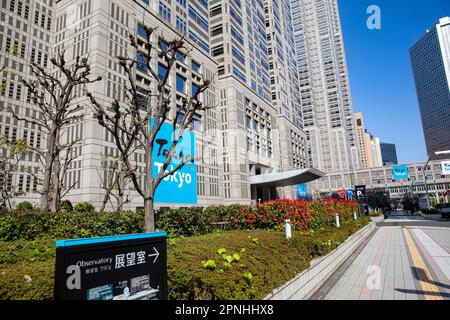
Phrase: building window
(236,35)
(198,19)
(181,25)
(141,63)
(162,71)
(216,11)
(195,66)
(217,51)
(164,11)
(216,30)
(204,3)
(182,3)
(181,84)
(141,31)
(179,56)
(238,55)
(194,89)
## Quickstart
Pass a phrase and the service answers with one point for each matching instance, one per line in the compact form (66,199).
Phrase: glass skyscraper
(430,58)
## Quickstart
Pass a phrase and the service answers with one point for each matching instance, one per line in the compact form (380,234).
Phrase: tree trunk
(149,215)
(48,171)
(120,188)
(105,200)
(56,189)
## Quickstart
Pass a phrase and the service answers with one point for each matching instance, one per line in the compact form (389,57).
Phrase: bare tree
(61,166)
(114,182)
(11,153)
(136,122)
(52,93)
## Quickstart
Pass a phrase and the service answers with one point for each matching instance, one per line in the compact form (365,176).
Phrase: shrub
(66,205)
(303,215)
(24,206)
(84,207)
(225,265)
(38,225)
(253,273)
(270,215)
(430,211)
(183,222)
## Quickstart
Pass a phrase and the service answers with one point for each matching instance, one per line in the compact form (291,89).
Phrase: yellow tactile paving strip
(424,277)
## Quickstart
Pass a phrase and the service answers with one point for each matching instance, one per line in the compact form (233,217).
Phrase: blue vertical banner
(302,191)
(180,187)
(400,172)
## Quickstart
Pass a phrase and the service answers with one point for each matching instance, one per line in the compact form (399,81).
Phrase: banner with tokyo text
(181,187)
(400,172)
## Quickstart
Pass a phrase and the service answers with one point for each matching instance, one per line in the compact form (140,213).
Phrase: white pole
(337,221)
(287,228)
(354,215)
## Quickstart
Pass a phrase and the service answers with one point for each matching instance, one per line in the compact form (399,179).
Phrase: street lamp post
(438,153)
(424,170)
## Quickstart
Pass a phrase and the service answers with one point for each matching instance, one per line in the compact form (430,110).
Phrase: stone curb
(309,281)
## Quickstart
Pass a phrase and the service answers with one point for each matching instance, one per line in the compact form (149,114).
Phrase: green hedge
(84,222)
(266,261)
(38,225)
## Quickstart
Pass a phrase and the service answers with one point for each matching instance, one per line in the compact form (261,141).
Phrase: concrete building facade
(255,127)
(368,146)
(324,85)
(25,36)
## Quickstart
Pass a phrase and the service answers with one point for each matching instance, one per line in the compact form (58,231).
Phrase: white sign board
(445,167)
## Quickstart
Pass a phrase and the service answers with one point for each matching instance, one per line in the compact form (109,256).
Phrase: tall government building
(324,85)
(245,47)
(430,58)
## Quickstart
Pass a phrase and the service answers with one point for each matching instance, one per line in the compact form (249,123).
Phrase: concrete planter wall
(432,216)
(309,281)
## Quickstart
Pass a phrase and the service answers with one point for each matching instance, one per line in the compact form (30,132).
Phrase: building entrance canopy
(286,178)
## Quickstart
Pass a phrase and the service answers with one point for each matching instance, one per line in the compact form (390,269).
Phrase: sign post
(129,267)
(362,200)
(349,193)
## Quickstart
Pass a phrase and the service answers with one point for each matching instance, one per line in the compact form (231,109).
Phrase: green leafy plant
(210,264)
(248,276)
(228,259)
(66,205)
(84,207)
(24,206)
(221,251)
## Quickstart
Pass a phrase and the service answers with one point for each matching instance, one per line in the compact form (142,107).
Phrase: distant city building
(376,152)
(324,85)
(382,179)
(430,58)
(388,154)
(368,146)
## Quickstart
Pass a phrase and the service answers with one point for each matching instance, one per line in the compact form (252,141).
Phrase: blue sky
(381,80)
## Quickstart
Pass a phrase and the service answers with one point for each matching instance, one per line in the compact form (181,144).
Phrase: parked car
(444,209)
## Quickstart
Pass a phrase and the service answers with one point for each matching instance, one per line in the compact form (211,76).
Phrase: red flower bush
(303,215)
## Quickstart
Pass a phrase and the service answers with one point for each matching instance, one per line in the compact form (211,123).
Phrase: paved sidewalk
(399,263)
